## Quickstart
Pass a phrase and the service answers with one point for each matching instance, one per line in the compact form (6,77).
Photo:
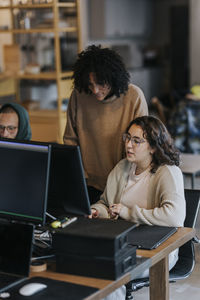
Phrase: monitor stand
(50,216)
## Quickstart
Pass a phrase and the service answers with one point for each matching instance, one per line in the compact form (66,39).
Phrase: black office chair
(186,261)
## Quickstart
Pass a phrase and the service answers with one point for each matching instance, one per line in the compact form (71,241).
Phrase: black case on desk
(94,247)
(94,266)
(95,237)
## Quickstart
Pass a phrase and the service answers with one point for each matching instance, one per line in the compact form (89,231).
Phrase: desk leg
(159,280)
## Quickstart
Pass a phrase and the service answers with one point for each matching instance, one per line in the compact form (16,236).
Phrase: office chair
(186,261)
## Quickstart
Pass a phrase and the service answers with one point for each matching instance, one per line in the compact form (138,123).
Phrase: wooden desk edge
(105,286)
(183,235)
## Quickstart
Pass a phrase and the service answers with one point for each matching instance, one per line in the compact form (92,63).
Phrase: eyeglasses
(134,141)
(10,129)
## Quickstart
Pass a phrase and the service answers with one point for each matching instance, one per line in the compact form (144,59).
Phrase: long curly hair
(158,137)
(108,67)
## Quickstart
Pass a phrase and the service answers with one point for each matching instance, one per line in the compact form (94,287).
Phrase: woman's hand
(94,213)
(114,210)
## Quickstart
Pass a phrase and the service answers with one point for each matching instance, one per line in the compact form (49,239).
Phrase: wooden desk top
(107,286)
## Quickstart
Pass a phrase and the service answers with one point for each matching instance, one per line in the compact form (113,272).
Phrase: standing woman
(147,186)
(102,104)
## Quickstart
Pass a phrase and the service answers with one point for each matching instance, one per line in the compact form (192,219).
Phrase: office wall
(147,26)
(194,42)
(161,27)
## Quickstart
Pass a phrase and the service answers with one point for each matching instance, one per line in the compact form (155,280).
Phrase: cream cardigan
(165,201)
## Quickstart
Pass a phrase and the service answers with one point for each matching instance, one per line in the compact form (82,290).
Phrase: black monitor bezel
(22,218)
(85,208)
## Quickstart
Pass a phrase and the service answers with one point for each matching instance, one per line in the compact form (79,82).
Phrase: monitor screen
(24,177)
(16,248)
(67,187)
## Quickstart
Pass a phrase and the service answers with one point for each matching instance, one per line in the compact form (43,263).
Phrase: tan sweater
(165,198)
(97,126)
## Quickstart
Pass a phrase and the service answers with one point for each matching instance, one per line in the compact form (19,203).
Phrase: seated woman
(147,186)
(14,122)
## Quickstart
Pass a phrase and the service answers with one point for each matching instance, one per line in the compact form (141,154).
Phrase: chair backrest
(192,198)
(186,261)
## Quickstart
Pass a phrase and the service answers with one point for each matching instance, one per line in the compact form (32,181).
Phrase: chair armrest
(196,240)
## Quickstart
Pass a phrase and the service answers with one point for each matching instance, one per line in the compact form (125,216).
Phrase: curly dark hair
(158,137)
(108,67)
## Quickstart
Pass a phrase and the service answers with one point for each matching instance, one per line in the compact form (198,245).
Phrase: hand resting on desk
(113,210)
(94,214)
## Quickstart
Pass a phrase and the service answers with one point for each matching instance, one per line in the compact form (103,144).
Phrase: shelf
(39,30)
(52,113)
(43,76)
(39,6)
(66,5)
(46,124)
(39,76)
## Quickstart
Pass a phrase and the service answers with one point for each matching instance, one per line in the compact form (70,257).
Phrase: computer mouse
(30,289)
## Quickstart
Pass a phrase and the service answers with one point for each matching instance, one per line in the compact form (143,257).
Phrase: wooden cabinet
(32,24)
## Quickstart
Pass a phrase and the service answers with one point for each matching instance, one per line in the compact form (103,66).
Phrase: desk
(158,263)
(190,165)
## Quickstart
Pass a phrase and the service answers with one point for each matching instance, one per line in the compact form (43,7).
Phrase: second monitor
(67,187)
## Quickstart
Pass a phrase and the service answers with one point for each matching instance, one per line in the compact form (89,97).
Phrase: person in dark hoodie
(14,122)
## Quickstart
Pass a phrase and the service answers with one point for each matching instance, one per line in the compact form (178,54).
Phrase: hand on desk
(94,214)
(114,210)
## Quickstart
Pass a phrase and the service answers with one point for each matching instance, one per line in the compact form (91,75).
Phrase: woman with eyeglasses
(147,186)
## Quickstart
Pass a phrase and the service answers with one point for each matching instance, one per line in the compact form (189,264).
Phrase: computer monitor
(24,178)
(67,186)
